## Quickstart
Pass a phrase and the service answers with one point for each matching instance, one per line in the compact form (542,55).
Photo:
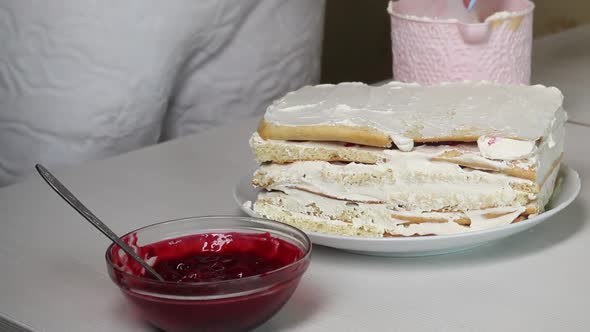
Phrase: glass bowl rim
(307,252)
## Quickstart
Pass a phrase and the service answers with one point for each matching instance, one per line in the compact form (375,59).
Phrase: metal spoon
(62,191)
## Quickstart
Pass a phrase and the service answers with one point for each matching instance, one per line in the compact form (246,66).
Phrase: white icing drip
(505,148)
(403,143)
(413,111)
(550,141)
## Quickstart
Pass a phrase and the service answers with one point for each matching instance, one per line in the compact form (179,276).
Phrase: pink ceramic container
(429,47)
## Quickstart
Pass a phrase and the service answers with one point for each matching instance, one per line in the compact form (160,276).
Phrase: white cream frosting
(505,216)
(540,160)
(501,148)
(547,190)
(380,219)
(407,111)
(409,180)
(549,151)
(417,165)
(469,153)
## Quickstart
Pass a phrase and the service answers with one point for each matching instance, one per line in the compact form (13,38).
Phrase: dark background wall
(357,41)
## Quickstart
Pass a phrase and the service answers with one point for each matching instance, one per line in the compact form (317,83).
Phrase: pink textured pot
(428,47)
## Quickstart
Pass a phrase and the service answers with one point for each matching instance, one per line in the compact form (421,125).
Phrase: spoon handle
(62,191)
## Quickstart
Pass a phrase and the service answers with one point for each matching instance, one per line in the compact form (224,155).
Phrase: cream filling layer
(549,150)
(410,181)
(505,148)
(469,154)
(462,154)
(546,192)
(540,159)
(379,219)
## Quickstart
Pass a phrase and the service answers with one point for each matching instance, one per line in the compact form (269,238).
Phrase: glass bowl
(225,305)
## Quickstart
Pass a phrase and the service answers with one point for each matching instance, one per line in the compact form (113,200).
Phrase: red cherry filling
(203,267)
(216,256)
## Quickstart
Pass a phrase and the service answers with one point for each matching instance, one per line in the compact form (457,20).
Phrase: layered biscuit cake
(408,160)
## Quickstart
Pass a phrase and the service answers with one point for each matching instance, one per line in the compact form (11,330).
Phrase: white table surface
(53,277)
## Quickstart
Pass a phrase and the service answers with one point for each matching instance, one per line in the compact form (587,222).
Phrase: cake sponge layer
(284,152)
(317,213)
(405,184)
(345,218)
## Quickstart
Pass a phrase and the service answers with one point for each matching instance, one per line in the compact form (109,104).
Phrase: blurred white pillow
(83,80)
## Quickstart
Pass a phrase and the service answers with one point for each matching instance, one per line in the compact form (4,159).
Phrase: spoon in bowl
(469,4)
(62,191)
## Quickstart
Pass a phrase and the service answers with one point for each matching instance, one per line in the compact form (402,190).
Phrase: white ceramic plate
(567,190)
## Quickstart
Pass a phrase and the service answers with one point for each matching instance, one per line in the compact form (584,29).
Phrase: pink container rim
(529,7)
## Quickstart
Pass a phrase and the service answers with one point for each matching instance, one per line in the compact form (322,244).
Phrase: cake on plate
(408,160)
